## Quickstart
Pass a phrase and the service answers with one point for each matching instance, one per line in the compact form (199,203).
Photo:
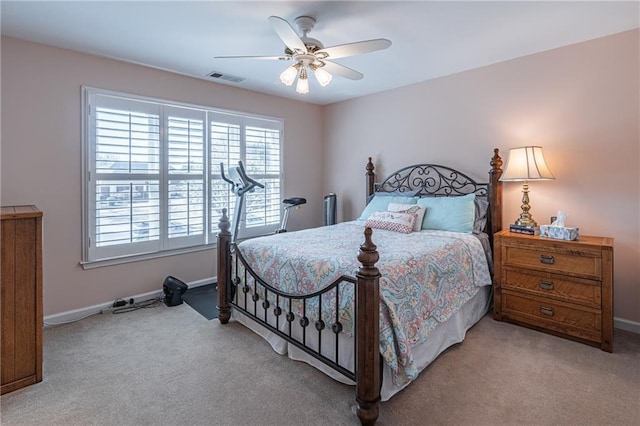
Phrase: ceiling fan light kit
(309,54)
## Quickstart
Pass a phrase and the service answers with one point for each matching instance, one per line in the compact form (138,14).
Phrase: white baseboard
(81,313)
(205,281)
(627,325)
(78,314)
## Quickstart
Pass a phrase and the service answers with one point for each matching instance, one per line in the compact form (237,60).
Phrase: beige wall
(40,161)
(581,103)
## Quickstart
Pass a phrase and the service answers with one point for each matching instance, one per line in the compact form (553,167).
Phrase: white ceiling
(430,39)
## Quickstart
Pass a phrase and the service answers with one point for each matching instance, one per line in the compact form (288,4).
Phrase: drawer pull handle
(546,259)
(547,285)
(546,310)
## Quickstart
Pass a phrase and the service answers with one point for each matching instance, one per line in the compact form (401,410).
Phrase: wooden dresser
(21,293)
(560,287)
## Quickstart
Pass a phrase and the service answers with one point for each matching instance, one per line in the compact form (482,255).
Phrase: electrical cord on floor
(152,303)
(52,324)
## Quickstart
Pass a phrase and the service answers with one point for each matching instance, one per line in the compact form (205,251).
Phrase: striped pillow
(391,221)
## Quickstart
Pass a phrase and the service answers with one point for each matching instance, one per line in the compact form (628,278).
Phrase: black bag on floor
(173,291)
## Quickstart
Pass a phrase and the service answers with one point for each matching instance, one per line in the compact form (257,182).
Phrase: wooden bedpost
(371,177)
(224,268)
(368,378)
(495,195)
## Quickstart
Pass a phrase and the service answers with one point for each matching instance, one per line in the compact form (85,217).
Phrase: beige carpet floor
(170,366)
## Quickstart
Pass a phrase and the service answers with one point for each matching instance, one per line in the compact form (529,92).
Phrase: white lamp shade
(289,75)
(526,163)
(303,83)
(323,77)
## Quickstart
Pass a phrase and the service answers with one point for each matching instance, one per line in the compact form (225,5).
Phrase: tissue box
(559,232)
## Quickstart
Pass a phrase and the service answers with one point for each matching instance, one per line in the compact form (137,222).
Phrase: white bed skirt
(443,336)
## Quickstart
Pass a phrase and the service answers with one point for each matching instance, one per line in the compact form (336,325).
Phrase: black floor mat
(203,299)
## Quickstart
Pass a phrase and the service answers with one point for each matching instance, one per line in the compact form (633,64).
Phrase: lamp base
(526,220)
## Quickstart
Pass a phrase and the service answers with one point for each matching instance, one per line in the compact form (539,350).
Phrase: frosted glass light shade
(303,83)
(323,77)
(526,163)
(289,75)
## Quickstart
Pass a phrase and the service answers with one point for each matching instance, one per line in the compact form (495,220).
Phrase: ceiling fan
(310,55)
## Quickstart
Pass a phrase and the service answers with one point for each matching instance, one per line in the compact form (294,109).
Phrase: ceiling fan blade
(342,71)
(287,34)
(271,58)
(357,48)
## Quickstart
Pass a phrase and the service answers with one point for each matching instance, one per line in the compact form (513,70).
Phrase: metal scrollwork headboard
(431,180)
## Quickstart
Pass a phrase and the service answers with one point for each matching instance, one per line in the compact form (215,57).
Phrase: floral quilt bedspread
(426,277)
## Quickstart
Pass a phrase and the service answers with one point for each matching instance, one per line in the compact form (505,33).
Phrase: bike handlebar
(226,179)
(239,180)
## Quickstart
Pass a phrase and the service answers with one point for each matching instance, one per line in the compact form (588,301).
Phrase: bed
(377,319)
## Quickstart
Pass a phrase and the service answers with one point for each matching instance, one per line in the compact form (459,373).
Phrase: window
(152,182)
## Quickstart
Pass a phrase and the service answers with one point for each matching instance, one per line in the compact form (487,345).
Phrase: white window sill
(142,257)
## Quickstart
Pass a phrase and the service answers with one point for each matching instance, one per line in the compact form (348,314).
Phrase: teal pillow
(381,204)
(455,213)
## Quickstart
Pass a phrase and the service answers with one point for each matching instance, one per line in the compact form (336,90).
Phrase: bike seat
(296,201)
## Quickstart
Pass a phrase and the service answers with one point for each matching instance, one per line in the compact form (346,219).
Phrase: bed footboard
(367,366)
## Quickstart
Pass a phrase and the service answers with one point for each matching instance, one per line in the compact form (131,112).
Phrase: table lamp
(524,164)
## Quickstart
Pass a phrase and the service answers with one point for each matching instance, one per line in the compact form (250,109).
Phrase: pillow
(480,220)
(380,204)
(391,221)
(455,213)
(415,210)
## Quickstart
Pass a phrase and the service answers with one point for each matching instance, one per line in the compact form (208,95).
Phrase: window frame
(123,253)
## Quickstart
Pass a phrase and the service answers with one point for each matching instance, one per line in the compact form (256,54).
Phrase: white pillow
(417,211)
(391,221)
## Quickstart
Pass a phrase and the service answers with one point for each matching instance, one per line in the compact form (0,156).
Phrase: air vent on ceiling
(220,76)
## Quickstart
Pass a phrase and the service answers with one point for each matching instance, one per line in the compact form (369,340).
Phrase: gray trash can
(330,209)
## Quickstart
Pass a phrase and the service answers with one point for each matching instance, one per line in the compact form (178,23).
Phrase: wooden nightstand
(560,287)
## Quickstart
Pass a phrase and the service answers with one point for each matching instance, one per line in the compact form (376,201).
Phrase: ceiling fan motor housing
(312,45)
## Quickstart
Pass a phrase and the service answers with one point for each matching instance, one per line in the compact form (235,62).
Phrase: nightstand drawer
(553,315)
(580,263)
(574,290)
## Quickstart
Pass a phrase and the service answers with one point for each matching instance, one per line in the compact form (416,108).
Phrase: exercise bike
(242,184)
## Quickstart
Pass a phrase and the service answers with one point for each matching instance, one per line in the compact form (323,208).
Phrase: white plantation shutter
(125,184)
(225,148)
(260,154)
(263,164)
(153,179)
(186,177)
